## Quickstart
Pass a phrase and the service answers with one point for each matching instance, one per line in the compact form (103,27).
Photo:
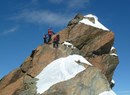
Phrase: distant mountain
(83,64)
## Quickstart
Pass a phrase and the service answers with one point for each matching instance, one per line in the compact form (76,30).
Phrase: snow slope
(97,24)
(59,70)
(108,93)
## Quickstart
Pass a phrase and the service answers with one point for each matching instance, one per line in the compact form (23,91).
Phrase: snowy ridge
(108,93)
(97,24)
(59,70)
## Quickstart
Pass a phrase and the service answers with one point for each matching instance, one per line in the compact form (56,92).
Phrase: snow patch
(97,24)
(59,70)
(113,54)
(112,48)
(67,44)
(108,93)
(113,81)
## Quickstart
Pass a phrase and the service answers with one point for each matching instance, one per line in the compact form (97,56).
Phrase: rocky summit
(88,38)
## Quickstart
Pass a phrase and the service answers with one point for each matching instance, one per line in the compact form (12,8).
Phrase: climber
(45,38)
(50,33)
(58,38)
(56,41)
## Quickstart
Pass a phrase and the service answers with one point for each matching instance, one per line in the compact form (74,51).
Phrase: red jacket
(55,38)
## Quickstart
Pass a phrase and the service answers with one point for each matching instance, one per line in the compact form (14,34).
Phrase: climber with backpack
(56,41)
(58,38)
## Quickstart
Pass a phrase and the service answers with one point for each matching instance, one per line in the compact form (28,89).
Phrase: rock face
(92,43)
(81,84)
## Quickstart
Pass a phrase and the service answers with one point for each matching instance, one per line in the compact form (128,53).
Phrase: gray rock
(89,82)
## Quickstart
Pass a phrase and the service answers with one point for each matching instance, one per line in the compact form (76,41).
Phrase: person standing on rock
(45,38)
(58,38)
(50,33)
(56,41)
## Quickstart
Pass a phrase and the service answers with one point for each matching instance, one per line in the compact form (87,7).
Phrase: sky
(23,23)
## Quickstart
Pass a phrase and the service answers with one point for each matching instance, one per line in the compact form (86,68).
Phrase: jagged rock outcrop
(76,19)
(92,43)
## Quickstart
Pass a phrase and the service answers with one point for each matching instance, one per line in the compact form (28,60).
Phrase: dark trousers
(49,39)
(55,44)
(45,40)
